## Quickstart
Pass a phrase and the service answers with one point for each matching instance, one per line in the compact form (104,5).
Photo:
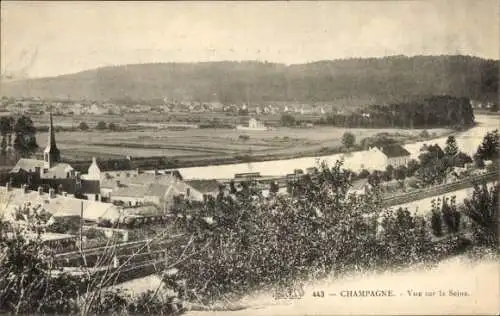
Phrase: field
(198,144)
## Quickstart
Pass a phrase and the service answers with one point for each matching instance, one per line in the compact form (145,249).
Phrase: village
(294,158)
(115,201)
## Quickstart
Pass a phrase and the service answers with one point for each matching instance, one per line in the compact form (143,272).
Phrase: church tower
(51,154)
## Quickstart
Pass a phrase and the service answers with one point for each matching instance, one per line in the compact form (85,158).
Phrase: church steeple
(51,153)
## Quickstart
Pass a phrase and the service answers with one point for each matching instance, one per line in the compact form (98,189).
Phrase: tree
(489,148)
(461,159)
(412,167)
(436,223)
(287,120)
(112,126)
(388,174)
(25,142)
(101,125)
(83,126)
(483,209)
(348,140)
(451,148)
(451,217)
(478,161)
(274,187)
(400,173)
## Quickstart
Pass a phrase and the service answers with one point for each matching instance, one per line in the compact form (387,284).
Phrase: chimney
(52,193)
(40,191)
(65,193)
(7,186)
(38,170)
(156,171)
(25,188)
(138,170)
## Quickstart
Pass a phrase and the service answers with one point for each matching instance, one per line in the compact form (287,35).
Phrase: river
(467,142)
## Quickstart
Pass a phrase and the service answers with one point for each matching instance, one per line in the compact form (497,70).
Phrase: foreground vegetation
(241,241)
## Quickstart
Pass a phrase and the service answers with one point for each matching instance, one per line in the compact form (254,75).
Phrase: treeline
(428,112)
(336,81)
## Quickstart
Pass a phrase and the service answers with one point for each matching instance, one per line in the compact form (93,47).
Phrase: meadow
(203,143)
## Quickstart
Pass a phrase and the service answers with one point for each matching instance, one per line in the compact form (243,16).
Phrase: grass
(212,143)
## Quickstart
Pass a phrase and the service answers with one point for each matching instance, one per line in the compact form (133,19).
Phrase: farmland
(207,143)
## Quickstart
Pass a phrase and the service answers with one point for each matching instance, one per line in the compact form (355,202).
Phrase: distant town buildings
(254,125)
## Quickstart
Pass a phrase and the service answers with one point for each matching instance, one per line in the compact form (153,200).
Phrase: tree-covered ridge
(371,80)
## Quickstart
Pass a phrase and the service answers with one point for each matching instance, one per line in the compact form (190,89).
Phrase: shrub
(101,125)
(363,174)
(112,126)
(244,137)
(83,126)
(436,223)
(424,134)
(348,140)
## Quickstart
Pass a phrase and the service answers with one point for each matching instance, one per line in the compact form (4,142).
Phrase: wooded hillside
(373,80)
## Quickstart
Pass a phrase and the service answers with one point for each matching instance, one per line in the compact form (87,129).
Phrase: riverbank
(197,161)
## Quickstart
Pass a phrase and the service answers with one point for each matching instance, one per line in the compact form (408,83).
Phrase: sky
(51,38)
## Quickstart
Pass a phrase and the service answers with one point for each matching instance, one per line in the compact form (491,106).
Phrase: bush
(83,126)
(363,174)
(112,126)
(244,137)
(287,120)
(348,140)
(424,134)
(101,125)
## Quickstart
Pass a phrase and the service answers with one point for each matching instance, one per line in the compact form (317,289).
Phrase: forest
(423,112)
(340,82)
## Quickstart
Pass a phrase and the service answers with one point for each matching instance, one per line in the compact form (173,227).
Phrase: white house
(253,124)
(372,159)
(396,155)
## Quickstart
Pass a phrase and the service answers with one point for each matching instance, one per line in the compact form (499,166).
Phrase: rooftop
(58,206)
(204,186)
(59,170)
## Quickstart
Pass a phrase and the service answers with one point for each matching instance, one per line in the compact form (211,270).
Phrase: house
(59,205)
(134,188)
(96,109)
(158,189)
(253,125)
(371,159)
(396,155)
(204,188)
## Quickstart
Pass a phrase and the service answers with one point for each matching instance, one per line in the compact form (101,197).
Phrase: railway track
(439,189)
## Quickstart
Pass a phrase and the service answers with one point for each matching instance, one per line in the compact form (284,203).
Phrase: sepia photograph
(220,158)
